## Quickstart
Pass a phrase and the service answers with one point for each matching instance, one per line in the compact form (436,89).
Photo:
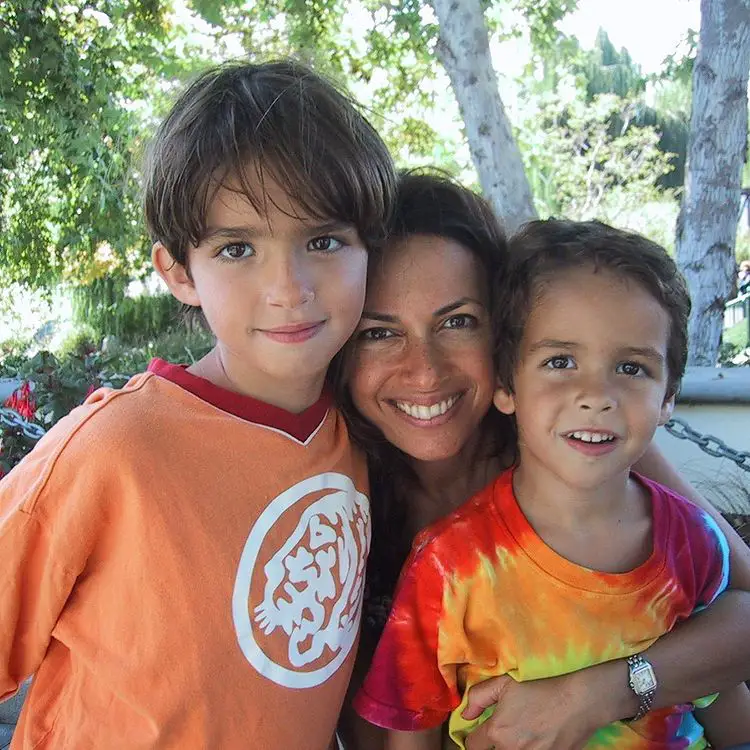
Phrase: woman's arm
(708,653)
(655,466)
(428,739)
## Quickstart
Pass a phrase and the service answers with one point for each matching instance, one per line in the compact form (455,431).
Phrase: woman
(417,385)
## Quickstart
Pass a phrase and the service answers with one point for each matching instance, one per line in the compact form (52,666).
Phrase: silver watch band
(642,681)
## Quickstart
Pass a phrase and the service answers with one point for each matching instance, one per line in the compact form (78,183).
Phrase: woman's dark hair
(427,203)
(275,121)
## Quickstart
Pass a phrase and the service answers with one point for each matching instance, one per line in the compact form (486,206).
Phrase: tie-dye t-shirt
(483,595)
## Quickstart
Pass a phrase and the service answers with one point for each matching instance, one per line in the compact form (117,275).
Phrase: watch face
(642,679)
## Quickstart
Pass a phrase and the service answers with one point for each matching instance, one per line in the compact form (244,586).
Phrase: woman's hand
(557,713)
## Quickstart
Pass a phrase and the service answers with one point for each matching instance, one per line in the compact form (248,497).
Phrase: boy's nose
(288,285)
(596,395)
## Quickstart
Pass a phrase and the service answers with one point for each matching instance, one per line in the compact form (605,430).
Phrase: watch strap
(637,663)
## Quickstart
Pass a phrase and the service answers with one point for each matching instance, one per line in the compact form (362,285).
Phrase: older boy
(183,559)
(569,559)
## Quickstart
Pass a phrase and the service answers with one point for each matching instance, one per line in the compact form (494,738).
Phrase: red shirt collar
(299,426)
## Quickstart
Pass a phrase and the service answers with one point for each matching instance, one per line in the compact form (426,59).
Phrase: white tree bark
(707,224)
(463,49)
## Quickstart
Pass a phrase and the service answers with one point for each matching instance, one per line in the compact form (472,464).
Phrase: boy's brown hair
(276,121)
(541,250)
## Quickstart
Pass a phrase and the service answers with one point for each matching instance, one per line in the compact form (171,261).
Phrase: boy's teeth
(591,437)
(417,411)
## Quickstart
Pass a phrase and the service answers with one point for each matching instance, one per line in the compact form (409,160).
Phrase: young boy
(568,559)
(183,559)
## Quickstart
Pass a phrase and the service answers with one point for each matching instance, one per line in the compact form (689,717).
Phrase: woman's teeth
(591,437)
(417,411)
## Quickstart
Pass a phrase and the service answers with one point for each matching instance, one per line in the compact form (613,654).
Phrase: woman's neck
(445,485)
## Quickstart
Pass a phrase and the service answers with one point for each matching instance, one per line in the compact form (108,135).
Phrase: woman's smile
(428,412)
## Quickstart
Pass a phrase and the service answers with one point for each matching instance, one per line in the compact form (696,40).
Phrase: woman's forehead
(425,266)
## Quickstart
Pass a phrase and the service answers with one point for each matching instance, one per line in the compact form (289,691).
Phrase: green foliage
(608,71)
(106,309)
(589,159)
(73,80)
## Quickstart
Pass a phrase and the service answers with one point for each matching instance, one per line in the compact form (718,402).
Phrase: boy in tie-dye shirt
(568,559)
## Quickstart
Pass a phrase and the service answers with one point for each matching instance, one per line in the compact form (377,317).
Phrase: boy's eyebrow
(551,344)
(251,232)
(639,351)
(450,307)
(644,351)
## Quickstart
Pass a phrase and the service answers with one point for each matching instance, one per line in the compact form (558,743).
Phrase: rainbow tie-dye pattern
(483,595)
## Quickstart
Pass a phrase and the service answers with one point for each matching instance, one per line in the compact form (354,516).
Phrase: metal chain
(11,418)
(707,443)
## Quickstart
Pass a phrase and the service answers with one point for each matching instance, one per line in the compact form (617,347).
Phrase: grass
(737,335)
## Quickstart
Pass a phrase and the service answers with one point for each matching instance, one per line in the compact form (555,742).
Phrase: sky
(649,29)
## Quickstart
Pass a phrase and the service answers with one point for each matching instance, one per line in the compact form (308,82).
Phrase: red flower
(23,401)
(90,390)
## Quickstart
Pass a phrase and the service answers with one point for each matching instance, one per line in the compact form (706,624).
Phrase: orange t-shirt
(182,567)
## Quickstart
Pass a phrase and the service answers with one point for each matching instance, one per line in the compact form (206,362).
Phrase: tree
(464,51)
(400,45)
(707,224)
(74,79)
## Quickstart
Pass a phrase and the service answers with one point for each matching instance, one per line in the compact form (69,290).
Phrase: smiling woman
(423,366)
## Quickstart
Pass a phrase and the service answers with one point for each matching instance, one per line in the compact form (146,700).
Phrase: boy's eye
(325,244)
(461,321)
(374,334)
(631,368)
(560,362)
(237,250)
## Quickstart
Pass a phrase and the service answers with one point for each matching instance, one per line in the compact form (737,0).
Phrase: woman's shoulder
(468,524)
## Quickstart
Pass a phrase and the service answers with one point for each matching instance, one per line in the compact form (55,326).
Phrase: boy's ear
(666,410)
(175,275)
(504,400)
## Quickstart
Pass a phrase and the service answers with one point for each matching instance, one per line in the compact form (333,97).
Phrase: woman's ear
(175,275)
(504,400)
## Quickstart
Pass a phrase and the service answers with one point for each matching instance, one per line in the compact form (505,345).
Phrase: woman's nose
(423,365)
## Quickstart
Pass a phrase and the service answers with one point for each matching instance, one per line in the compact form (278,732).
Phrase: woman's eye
(461,321)
(237,251)
(374,334)
(631,368)
(559,363)
(325,244)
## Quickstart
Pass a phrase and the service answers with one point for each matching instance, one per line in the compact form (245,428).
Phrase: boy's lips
(591,442)
(295,333)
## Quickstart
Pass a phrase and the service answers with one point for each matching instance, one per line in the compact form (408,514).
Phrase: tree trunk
(463,49)
(707,224)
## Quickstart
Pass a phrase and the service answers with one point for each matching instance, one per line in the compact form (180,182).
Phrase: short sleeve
(406,688)
(712,567)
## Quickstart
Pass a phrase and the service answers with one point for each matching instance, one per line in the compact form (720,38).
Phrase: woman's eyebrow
(455,305)
(379,316)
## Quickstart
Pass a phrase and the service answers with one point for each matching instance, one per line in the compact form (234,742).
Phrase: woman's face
(422,355)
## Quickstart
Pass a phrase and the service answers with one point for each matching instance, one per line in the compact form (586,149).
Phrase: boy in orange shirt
(183,559)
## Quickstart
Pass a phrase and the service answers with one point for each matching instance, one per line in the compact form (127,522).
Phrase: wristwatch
(642,681)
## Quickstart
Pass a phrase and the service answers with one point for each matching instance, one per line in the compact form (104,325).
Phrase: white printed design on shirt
(312,585)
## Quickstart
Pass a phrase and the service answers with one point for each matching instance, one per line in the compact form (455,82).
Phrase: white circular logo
(312,583)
